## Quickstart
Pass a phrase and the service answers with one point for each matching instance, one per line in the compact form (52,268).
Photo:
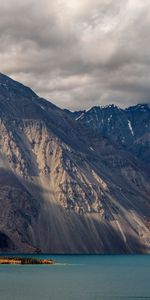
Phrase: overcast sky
(78,53)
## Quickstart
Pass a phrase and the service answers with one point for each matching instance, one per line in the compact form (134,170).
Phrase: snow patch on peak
(42,106)
(130,127)
(88,109)
(109,118)
(78,118)
(91,148)
(112,106)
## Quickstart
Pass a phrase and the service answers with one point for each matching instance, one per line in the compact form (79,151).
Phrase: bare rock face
(63,187)
(128,128)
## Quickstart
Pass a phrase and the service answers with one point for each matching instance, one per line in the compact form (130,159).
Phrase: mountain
(64,187)
(128,128)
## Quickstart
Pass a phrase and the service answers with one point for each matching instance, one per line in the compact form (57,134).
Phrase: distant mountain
(129,128)
(65,187)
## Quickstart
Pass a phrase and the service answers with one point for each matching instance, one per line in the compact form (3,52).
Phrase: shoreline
(25,261)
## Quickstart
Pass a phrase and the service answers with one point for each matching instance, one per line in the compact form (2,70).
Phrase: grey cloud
(78,53)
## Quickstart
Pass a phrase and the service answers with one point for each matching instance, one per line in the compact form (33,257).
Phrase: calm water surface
(81,277)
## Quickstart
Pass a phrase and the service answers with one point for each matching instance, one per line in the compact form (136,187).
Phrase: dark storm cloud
(78,53)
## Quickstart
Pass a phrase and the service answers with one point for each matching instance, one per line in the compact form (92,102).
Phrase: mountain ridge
(129,127)
(65,188)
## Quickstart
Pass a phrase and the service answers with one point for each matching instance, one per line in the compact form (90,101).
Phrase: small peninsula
(25,261)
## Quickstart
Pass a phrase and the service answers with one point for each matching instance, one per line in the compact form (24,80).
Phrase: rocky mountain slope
(128,128)
(63,186)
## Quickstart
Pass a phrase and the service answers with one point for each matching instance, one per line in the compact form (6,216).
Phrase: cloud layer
(78,53)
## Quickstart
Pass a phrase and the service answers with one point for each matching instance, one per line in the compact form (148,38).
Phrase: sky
(78,53)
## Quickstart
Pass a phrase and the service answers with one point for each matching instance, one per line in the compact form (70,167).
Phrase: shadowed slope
(62,187)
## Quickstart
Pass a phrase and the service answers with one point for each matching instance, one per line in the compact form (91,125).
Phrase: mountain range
(128,128)
(72,182)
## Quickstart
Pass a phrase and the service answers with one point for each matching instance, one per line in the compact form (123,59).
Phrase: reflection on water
(78,277)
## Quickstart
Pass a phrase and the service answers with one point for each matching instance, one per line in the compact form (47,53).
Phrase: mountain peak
(140,107)
(99,107)
(10,88)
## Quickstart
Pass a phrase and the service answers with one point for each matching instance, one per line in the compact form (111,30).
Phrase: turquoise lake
(81,277)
